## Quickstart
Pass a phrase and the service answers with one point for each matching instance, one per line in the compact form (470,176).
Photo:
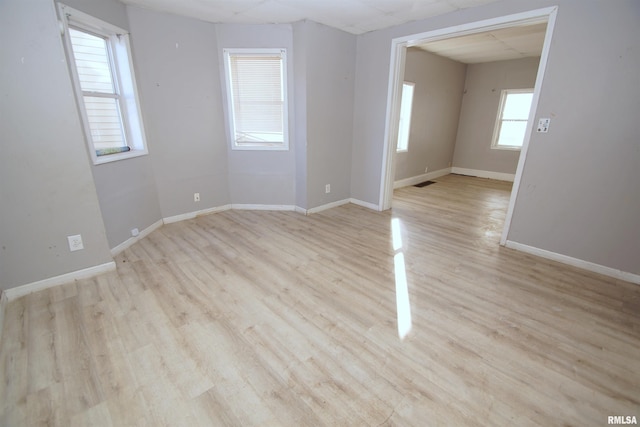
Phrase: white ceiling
(498,45)
(353,16)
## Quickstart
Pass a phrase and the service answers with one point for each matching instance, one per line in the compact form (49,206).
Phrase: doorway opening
(396,76)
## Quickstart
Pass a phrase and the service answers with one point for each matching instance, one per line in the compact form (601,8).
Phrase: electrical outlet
(135,232)
(543,125)
(196,197)
(75,242)
(327,188)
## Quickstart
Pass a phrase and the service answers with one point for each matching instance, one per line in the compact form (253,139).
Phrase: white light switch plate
(543,125)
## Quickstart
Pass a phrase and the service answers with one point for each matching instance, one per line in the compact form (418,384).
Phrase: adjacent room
(457,90)
(209,212)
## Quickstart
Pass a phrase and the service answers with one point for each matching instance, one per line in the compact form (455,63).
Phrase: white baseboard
(500,176)
(365,204)
(3,307)
(191,215)
(131,240)
(575,262)
(251,207)
(20,291)
(327,206)
(413,180)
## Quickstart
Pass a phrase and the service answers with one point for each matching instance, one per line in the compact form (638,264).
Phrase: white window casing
(406,109)
(99,56)
(511,119)
(256,88)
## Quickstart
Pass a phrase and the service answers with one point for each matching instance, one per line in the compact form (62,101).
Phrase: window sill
(108,158)
(260,147)
(506,148)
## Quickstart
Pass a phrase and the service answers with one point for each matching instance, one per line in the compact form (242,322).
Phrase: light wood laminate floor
(275,318)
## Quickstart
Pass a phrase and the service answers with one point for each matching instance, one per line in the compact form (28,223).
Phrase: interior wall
(126,188)
(46,187)
(178,69)
(261,177)
(370,103)
(179,84)
(128,197)
(480,103)
(439,84)
(300,30)
(578,194)
(111,11)
(330,68)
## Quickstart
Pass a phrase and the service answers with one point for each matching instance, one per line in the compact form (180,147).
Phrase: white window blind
(101,99)
(257,92)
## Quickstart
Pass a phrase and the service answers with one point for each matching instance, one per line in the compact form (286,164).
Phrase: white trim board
(252,207)
(3,306)
(336,204)
(575,262)
(542,66)
(131,240)
(413,180)
(365,204)
(191,215)
(500,176)
(396,71)
(327,206)
(397,59)
(20,291)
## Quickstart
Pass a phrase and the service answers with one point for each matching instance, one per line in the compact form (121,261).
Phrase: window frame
(123,75)
(231,120)
(405,147)
(498,124)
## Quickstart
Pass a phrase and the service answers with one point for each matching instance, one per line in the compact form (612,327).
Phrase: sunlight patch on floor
(403,306)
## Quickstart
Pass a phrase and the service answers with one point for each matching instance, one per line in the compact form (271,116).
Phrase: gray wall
(111,11)
(179,83)
(439,83)
(261,177)
(579,193)
(300,30)
(128,197)
(126,189)
(480,105)
(370,103)
(46,187)
(178,67)
(330,70)
(578,196)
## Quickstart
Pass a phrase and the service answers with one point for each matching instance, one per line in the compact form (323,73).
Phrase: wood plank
(276,318)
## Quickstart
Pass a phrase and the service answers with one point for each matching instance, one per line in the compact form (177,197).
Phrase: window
(511,122)
(101,67)
(257,98)
(404,125)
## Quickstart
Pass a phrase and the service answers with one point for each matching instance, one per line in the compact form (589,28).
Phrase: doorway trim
(396,73)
